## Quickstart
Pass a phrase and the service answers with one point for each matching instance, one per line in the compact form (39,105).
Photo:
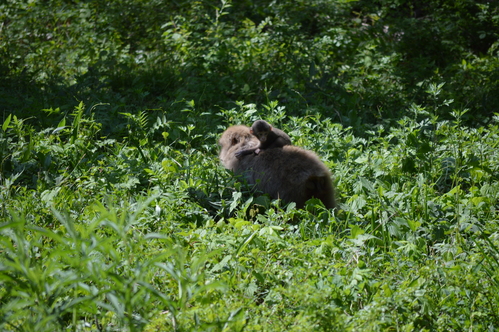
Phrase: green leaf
(6,123)
(356,231)
(246,242)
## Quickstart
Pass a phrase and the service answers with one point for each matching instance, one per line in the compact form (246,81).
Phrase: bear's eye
(235,141)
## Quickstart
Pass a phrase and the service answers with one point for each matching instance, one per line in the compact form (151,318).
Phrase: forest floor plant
(144,234)
(116,215)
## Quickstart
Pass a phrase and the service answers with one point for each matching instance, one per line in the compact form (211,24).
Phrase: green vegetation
(115,214)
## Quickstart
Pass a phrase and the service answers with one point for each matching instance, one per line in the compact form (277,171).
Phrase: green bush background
(115,214)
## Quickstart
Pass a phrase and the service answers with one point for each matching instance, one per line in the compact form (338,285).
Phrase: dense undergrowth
(115,214)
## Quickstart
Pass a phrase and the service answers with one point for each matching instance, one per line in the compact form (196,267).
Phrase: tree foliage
(354,61)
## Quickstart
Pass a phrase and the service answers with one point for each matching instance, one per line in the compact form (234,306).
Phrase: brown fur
(269,137)
(291,173)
